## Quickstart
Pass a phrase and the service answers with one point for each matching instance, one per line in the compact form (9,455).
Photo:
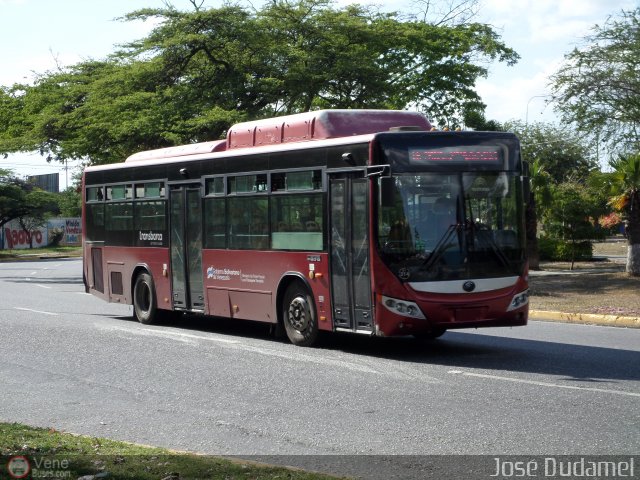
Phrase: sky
(39,35)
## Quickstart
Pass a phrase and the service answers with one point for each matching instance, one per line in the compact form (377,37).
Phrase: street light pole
(526,118)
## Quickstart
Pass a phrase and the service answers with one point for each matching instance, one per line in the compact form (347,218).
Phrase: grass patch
(73,456)
(25,253)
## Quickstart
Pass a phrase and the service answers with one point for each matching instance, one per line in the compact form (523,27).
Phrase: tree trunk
(633,259)
(633,235)
(531,228)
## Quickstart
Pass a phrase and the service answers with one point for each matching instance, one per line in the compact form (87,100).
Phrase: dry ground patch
(598,287)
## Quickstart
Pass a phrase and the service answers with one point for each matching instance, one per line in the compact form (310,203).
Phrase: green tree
(555,155)
(572,215)
(70,203)
(598,86)
(626,199)
(561,151)
(539,199)
(40,206)
(22,201)
(476,120)
(198,72)
(13,192)
(599,186)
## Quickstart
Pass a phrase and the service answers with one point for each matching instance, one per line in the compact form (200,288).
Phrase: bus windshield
(451,226)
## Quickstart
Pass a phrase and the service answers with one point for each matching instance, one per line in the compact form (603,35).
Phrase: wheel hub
(298,313)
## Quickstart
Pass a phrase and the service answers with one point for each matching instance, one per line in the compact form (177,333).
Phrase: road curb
(36,257)
(586,318)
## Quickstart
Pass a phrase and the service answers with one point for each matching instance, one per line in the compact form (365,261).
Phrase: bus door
(349,251)
(186,247)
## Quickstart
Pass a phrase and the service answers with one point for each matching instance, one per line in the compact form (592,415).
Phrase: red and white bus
(363,221)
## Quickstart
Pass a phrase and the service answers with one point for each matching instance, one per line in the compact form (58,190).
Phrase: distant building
(49,182)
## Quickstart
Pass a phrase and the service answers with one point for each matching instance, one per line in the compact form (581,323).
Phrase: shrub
(557,250)
(56,237)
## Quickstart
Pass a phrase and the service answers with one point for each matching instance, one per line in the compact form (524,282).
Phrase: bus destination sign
(455,155)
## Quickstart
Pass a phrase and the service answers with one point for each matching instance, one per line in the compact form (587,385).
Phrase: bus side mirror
(387,191)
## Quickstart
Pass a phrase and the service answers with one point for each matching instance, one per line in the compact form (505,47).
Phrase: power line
(30,165)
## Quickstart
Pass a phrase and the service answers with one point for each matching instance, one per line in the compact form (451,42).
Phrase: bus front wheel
(431,335)
(145,306)
(299,316)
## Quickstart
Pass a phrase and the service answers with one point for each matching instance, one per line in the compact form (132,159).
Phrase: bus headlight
(519,300)
(403,307)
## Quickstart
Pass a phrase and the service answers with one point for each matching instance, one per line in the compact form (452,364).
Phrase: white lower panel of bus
(364,332)
(458,286)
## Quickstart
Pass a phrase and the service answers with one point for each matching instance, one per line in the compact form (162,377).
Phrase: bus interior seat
(506,238)
(312,226)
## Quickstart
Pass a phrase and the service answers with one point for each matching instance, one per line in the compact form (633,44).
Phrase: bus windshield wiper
(487,239)
(441,246)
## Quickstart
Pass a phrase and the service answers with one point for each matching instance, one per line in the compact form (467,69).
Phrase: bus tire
(145,304)
(299,315)
(432,335)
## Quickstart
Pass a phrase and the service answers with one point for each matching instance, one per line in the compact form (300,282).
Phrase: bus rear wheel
(299,316)
(145,304)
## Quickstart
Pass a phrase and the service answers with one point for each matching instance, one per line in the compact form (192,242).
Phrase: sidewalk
(585,318)
(31,255)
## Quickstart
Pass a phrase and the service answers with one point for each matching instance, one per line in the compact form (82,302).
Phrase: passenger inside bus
(444,215)
(434,223)
(399,238)
(259,231)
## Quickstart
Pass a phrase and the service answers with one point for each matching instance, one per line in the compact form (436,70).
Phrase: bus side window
(95,221)
(150,215)
(297,221)
(215,223)
(248,223)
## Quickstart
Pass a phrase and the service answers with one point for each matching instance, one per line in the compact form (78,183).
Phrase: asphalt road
(70,361)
